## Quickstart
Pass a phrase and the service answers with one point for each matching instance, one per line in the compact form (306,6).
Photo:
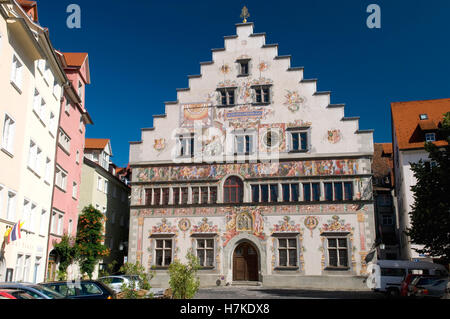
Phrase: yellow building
(104,190)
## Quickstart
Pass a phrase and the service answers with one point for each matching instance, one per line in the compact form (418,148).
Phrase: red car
(14,294)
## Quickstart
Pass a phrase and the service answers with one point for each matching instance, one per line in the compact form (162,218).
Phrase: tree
(183,282)
(131,290)
(430,214)
(89,240)
(67,252)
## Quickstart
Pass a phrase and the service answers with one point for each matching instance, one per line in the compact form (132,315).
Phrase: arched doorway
(245,263)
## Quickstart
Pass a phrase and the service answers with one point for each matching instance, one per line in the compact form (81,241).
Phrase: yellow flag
(7,232)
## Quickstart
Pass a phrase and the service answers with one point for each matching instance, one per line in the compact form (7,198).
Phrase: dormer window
(227,97)
(430,137)
(244,67)
(423,116)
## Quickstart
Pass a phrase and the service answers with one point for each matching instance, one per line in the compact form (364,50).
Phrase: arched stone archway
(230,248)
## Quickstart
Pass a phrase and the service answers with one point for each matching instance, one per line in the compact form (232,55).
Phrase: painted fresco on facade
(249,170)
(286,225)
(243,220)
(311,223)
(159,144)
(293,100)
(205,227)
(334,136)
(195,113)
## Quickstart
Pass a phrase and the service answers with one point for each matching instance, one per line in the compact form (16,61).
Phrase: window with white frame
(227,96)
(9,126)
(64,140)
(26,268)
(262,94)
(81,125)
(26,213)
(57,223)
(34,157)
(11,206)
(74,190)
(39,105)
(48,170)
(70,227)
(205,251)
(56,88)
(106,187)
(163,252)
(41,65)
(18,276)
(104,160)
(99,184)
(67,105)
(52,123)
(337,249)
(43,222)
(80,90)
(60,178)
(298,140)
(17,72)
(430,137)
(186,145)
(287,251)
(33,213)
(243,143)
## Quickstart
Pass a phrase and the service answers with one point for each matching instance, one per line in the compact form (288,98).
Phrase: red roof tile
(75,58)
(96,143)
(407,123)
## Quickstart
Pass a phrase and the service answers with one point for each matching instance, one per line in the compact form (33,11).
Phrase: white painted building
(413,123)
(256,173)
(31,81)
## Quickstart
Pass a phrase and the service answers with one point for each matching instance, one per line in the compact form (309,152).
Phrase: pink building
(69,154)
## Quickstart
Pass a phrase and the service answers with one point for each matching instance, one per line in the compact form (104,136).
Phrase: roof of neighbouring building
(382,165)
(96,143)
(75,58)
(30,7)
(410,129)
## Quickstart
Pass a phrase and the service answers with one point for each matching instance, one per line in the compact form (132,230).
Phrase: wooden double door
(245,263)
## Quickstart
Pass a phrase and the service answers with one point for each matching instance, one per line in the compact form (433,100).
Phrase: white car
(116,282)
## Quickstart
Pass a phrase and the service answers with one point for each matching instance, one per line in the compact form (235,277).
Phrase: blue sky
(141,51)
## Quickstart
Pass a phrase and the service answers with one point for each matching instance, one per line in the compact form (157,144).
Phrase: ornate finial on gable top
(244,14)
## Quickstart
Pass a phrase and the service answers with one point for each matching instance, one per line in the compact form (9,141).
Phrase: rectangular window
(315,191)
(387,220)
(163,252)
(287,252)
(430,137)
(243,67)
(74,190)
(67,106)
(64,141)
(99,184)
(176,195)
(69,230)
(273,192)
(338,194)
(19,268)
(16,72)
(43,224)
(337,252)
(195,195)
(186,146)
(9,126)
(204,191)
(52,123)
(11,206)
(298,141)
(205,252)
(255,193)
(148,196)
(165,193)
(184,195)
(26,215)
(60,178)
(307,192)
(264,193)
(348,190)
(213,195)
(157,196)
(243,144)
(286,192)
(48,170)
(227,96)
(105,189)
(294,192)
(33,217)
(328,191)
(262,94)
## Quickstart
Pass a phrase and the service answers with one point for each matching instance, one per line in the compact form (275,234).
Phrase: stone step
(246,283)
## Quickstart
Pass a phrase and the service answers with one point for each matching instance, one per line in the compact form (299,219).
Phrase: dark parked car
(428,287)
(34,290)
(81,289)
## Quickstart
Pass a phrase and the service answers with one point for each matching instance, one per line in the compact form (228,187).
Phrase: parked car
(15,294)
(406,282)
(81,289)
(428,287)
(34,290)
(116,282)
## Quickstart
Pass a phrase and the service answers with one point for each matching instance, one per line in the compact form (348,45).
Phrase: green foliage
(108,271)
(67,252)
(89,240)
(430,215)
(183,280)
(129,290)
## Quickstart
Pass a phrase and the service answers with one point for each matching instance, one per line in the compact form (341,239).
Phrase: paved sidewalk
(255,292)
